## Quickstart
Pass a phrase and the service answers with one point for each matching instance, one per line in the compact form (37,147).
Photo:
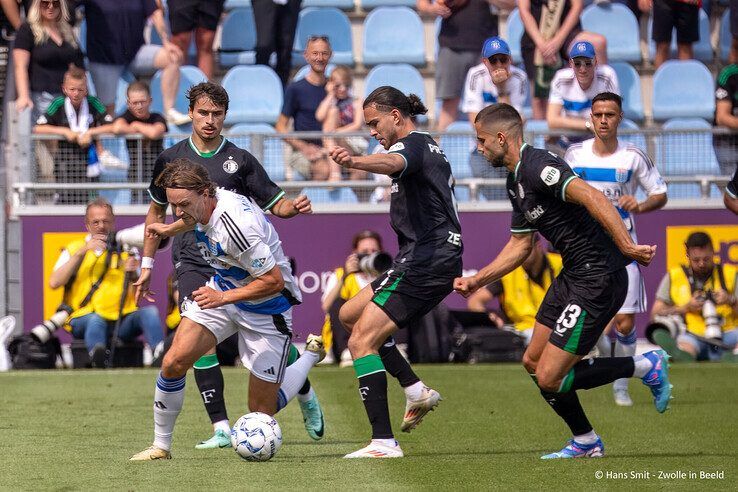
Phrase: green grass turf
(72,430)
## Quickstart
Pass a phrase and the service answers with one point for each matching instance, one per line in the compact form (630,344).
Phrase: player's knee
(173,365)
(624,325)
(346,317)
(548,380)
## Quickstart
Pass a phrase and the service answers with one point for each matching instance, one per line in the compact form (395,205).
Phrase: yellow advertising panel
(53,244)
(724,240)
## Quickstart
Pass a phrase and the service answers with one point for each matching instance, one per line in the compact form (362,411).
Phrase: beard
(497,161)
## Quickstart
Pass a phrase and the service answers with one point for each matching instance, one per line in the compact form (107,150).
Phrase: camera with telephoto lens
(674,324)
(375,263)
(43,332)
(130,237)
(713,321)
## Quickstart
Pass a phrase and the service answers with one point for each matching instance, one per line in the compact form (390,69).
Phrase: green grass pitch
(75,430)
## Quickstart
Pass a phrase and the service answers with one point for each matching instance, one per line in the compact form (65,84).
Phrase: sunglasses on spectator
(583,63)
(45,4)
(318,37)
(501,59)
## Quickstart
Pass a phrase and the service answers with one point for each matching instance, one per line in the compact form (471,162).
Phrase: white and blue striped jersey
(575,101)
(618,174)
(240,244)
(480,91)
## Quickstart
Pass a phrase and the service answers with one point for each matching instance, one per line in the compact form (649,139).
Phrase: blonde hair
(344,73)
(37,27)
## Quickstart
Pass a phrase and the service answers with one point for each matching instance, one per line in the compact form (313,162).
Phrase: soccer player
(251,295)
(423,214)
(617,169)
(731,194)
(581,223)
(234,169)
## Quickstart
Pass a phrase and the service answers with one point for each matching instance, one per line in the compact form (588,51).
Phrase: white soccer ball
(256,437)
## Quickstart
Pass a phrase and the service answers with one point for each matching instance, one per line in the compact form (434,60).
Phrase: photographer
(344,283)
(92,272)
(700,296)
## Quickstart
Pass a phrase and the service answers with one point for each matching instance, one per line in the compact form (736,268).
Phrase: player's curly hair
(216,93)
(387,98)
(184,174)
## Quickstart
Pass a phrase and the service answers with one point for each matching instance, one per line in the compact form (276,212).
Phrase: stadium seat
(515,32)
(400,75)
(330,22)
(340,4)
(118,196)
(617,23)
(726,38)
(271,151)
(458,148)
(386,29)
(188,76)
(303,71)
(234,4)
(256,94)
(630,88)
(539,127)
(637,139)
(683,89)
(82,38)
(702,48)
(238,38)
(372,4)
(328,195)
(686,154)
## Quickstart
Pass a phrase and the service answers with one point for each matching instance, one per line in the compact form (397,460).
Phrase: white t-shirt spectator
(575,101)
(480,91)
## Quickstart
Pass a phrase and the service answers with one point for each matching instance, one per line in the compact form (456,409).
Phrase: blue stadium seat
(630,88)
(683,89)
(330,22)
(119,196)
(540,126)
(234,4)
(386,29)
(272,160)
(303,71)
(463,194)
(400,75)
(341,4)
(256,94)
(686,154)
(188,76)
(726,38)
(83,36)
(372,4)
(515,31)
(637,139)
(617,23)
(238,38)
(328,195)
(702,48)
(458,149)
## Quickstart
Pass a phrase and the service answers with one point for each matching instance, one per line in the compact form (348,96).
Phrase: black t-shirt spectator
(115,29)
(301,100)
(48,61)
(150,149)
(467,28)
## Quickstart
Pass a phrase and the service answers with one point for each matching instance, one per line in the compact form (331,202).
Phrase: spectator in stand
(276,22)
(44,50)
(465,26)
(547,40)
(139,119)
(78,118)
(10,21)
(731,194)
(572,90)
(115,43)
(726,116)
(341,112)
(301,101)
(682,15)
(495,80)
(200,16)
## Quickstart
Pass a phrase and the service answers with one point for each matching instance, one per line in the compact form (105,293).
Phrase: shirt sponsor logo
(396,147)
(230,166)
(550,175)
(534,214)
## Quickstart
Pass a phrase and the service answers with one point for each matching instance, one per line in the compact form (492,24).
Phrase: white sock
(222,425)
(387,442)
(586,439)
(168,399)
(306,397)
(625,346)
(294,377)
(414,391)
(642,366)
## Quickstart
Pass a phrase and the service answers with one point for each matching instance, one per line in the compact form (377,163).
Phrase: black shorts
(188,281)
(409,295)
(578,309)
(186,15)
(670,14)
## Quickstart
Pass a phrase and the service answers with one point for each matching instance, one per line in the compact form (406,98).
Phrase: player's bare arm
(265,285)
(629,203)
(156,214)
(512,256)
(731,203)
(388,164)
(285,208)
(600,208)
(557,120)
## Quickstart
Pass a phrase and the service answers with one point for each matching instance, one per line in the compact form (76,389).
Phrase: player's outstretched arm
(264,285)
(512,256)
(388,164)
(599,207)
(731,203)
(155,215)
(289,208)
(161,230)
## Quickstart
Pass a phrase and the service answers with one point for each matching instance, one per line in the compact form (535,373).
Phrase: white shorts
(263,339)
(635,301)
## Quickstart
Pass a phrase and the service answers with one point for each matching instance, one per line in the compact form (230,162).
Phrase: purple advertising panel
(320,243)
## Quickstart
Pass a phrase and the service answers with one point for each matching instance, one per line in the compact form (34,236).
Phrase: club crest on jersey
(550,175)
(621,175)
(230,166)
(258,262)
(721,93)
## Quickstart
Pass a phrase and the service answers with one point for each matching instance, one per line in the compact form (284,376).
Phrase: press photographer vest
(106,300)
(349,288)
(522,297)
(681,293)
